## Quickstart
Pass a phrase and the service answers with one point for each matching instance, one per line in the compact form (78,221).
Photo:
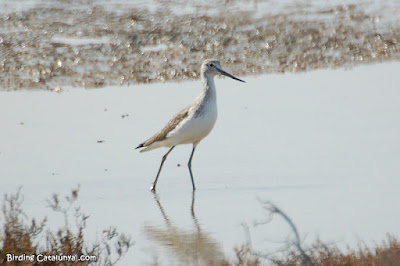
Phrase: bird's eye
(211,65)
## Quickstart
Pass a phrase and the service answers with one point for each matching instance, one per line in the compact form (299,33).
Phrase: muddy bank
(91,44)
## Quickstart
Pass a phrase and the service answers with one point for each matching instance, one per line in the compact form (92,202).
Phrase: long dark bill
(229,75)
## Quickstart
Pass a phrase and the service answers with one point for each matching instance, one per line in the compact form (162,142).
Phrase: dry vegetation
(386,254)
(319,254)
(19,236)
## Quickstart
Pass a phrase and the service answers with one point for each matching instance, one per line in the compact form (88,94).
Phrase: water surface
(324,146)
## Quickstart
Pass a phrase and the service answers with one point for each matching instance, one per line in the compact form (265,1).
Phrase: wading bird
(193,123)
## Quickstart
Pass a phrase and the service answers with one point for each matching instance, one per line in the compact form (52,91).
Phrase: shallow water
(324,146)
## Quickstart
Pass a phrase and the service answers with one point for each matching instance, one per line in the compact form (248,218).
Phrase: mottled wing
(171,125)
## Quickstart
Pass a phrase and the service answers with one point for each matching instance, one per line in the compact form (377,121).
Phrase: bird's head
(212,67)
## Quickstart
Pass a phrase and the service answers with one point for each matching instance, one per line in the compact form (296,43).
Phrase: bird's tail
(146,148)
(140,146)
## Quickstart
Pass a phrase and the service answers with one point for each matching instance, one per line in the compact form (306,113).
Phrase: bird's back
(162,134)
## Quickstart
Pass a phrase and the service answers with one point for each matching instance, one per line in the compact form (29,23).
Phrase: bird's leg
(153,187)
(190,165)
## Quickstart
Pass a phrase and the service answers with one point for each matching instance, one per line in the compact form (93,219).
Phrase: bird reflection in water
(189,246)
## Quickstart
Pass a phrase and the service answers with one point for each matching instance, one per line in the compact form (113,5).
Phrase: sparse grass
(19,235)
(318,254)
(385,254)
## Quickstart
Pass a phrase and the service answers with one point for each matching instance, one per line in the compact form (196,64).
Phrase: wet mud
(91,45)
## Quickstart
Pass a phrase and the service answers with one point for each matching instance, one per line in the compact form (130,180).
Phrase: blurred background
(94,43)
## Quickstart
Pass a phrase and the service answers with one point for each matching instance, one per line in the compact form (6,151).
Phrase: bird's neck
(207,100)
(208,87)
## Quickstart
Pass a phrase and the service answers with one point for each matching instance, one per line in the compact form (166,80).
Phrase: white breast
(198,124)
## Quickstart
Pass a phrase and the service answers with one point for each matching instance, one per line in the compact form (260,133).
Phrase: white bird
(193,123)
